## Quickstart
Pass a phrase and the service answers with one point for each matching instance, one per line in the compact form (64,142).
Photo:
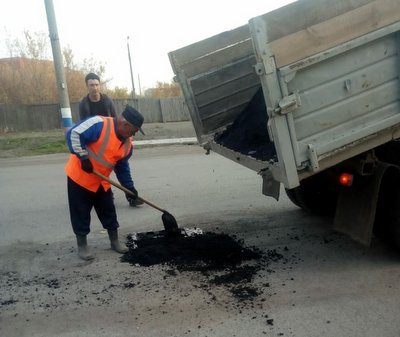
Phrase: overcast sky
(99,29)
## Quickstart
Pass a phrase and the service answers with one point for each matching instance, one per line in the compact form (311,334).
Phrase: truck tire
(293,197)
(389,152)
(316,195)
(387,217)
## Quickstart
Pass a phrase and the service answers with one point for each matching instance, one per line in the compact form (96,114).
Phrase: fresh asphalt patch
(222,259)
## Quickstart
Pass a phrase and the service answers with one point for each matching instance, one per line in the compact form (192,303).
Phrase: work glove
(132,199)
(87,165)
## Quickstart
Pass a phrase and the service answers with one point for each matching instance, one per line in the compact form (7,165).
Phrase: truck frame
(301,95)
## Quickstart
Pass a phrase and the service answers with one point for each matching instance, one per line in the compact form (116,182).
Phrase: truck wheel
(316,195)
(292,195)
(387,217)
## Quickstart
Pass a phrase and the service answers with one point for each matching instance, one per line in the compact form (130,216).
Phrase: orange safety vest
(103,153)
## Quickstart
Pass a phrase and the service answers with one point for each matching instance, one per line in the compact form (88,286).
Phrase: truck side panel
(322,102)
(217,78)
(342,27)
(346,98)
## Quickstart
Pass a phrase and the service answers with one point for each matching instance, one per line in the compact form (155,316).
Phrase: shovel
(170,224)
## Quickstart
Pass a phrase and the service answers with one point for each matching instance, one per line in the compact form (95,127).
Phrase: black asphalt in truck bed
(248,133)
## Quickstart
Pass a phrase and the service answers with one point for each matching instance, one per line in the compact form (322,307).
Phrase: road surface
(323,284)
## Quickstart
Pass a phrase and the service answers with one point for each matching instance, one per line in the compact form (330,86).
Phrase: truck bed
(329,77)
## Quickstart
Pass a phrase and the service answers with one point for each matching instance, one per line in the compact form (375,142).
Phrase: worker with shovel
(99,144)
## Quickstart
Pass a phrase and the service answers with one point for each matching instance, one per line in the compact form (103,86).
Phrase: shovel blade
(170,224)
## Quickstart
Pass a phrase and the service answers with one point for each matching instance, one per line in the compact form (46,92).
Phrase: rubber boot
(83,250)
(115,244)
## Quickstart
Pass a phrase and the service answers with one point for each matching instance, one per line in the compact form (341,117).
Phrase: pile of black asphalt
(223,259)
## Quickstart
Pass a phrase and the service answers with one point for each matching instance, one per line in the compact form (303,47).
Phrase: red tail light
(346,179)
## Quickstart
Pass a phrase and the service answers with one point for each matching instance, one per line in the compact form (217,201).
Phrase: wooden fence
(48,116)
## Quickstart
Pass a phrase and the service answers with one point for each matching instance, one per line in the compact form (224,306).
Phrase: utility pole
(58,66)
(130,66)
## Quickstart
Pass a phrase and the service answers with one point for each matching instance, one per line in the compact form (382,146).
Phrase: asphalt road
(323,285)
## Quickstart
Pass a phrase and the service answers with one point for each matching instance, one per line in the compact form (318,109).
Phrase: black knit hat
(134,117)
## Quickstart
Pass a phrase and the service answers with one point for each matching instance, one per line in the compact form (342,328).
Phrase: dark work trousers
(81,201)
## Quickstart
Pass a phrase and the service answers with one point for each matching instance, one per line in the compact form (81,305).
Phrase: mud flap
(270,186)
(356,207)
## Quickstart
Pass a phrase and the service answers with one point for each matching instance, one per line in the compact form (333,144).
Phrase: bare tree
(118,93)
(36,45)
(68,56)
(28,76)
(164,89)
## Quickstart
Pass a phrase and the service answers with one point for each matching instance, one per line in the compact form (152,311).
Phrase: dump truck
(308,97)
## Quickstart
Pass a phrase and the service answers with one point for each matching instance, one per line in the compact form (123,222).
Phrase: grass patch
(56,146)
(32,143)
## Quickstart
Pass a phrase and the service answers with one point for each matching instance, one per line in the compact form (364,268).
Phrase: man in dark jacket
(95,103)
(98,104)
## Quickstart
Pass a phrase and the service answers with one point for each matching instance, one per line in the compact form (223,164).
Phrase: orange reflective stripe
(99,156)
(103,140)
(106,138)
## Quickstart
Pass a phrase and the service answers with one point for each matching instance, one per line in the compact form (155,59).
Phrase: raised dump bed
(329,76)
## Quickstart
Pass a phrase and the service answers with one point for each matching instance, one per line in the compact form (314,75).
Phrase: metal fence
(48,116)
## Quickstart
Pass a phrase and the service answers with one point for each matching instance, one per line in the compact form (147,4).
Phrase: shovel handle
(122,188)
